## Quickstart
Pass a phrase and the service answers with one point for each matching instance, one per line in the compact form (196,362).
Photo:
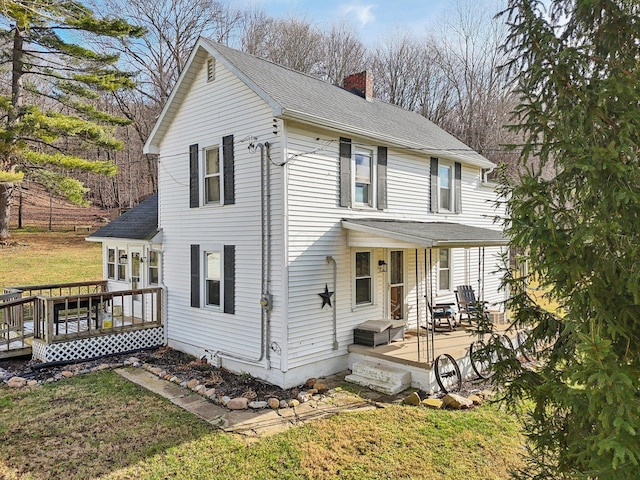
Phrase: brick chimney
(360,83)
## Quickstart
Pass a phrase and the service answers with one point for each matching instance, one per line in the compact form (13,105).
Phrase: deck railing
(16,315)
(68,317)
(59,289)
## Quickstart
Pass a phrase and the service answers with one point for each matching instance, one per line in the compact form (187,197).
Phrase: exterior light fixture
(382,266)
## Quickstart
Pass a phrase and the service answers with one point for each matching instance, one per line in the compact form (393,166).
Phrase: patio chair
(467,303)
(442,314)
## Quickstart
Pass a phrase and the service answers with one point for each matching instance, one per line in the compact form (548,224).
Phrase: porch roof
(427,234)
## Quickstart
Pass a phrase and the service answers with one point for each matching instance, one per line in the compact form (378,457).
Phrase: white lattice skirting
(98,346)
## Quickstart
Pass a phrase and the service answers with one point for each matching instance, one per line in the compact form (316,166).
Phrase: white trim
(203,278)
(452,186)
(204,177)
(373,170)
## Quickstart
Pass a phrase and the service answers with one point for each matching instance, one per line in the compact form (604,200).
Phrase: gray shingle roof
(309,99)
(297,93)
(429,234)
(139,223)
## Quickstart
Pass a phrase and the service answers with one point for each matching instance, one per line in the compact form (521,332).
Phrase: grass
(36,257)
(100,425)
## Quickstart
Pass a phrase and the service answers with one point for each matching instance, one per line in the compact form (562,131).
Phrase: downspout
(332,260)
(266,299)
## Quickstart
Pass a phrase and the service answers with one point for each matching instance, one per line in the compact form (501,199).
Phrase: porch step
(381,378)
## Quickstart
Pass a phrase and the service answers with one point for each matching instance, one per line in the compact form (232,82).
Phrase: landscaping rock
(284,404)
(193,383)
(475,399)
(303,397)
(67,374)
(238,403)
(273,403)
(32,383)
(17,382)
(258,405)
(209,392)
(200,389)
(310,382)
(320,387)
(456,402)
(224,400)
(131,360)
(293,403)
(435,403)
(413,399)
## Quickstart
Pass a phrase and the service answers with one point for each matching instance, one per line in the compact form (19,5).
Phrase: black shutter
(229,266)
(382,178)
(434,185)
(195,275)
(228,170)
(194,177)
(345,172)
(458,187)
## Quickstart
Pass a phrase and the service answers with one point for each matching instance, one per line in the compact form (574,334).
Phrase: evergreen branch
(71,162)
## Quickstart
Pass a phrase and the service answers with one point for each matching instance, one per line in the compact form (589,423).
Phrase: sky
(372,17)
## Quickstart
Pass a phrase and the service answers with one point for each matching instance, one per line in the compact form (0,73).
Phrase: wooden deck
(68,312)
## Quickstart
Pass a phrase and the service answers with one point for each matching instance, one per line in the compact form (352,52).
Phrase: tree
(49,123)
(342,52)
(578,70)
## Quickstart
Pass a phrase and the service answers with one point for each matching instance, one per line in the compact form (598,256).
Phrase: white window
(363,279)
(212,274)
(122,265)
(444,269)
(363,188)
(445,187)
(111,263)
(154,267)
(212,176)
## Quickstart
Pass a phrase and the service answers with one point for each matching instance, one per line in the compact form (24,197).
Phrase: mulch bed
(172,361)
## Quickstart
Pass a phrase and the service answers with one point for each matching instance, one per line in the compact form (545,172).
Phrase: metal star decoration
(326,296)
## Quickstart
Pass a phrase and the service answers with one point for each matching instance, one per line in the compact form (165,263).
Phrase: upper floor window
(445,189)
(363,177)
(212,175)
(122,265)
(446,186)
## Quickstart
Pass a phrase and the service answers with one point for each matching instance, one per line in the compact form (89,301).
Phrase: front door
(136,280)
(396,285)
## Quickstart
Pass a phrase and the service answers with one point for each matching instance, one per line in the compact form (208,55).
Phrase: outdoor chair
(467,303)
(442,315)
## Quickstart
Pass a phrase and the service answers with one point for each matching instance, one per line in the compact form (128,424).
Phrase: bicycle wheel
(480,358)
(448,373)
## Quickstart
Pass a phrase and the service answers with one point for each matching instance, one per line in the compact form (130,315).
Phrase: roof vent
(211,69)
(360,83)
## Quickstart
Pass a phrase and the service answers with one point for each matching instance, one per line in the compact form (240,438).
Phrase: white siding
(314,232)
(209,112)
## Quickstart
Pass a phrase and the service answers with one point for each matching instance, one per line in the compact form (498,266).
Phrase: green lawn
(100,425)
(41,257)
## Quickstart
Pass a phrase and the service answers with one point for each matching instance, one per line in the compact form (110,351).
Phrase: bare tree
(173,27)
(342,52)
(293,43)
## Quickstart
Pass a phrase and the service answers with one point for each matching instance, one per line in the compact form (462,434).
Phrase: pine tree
(50,125)
(577,68)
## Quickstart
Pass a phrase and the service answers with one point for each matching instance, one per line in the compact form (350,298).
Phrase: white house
(292,210)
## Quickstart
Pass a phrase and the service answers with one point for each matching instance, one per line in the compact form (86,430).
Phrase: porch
(416,353)
(78,321)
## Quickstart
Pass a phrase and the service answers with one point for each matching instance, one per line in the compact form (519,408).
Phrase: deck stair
(381,378)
